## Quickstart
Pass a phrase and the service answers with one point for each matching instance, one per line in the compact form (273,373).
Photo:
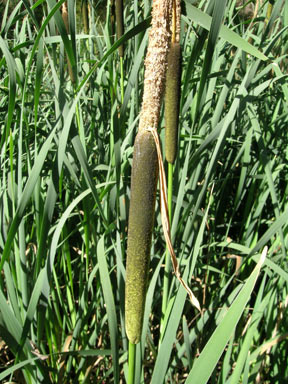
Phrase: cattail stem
(85,16)
(122,79)
(131,363)
(167,269)
(269,11)
(173,80)
(119,34)
(119,24)
(66,23)
(172,100)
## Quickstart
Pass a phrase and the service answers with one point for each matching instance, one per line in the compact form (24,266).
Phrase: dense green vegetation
(67,134)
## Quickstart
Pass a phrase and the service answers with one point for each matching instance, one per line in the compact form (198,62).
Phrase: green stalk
(86,207)
(122,79)
(119,24)
(131,363)
(119,34)
(217,17)
(172,101)
(167,256)
(85,16)
(269,11)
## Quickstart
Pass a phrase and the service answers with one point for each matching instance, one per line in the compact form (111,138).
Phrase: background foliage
(66,151)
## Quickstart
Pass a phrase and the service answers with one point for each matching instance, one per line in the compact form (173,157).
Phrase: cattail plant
(269,10)
(172,99)
(119,33)
(172,102)
(66,23)
(172,91)
(144,177)
(85,15)
(119,24)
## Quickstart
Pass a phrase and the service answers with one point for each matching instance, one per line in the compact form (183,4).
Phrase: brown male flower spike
(155,64)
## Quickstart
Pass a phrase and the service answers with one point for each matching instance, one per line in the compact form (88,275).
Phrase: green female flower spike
(119,24)
(172,99)
(141,222)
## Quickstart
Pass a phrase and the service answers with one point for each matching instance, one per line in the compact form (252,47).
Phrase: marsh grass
(66,154)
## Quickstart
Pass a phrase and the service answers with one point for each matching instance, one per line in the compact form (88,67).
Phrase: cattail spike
(156,64)
(145,171)
(172,99)
(141,222)
(119,24)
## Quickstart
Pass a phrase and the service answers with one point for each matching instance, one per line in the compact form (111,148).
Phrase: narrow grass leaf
(85,167)
(257,315)
(165,350)
(12,324)
(22,364)
(39,70)
(31,310)
(225,33)
(26,195)
(205,364)
(110,305)
(274,228)
(11,290)
(16,367)
(11,65)
(55,240)
(216,22)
